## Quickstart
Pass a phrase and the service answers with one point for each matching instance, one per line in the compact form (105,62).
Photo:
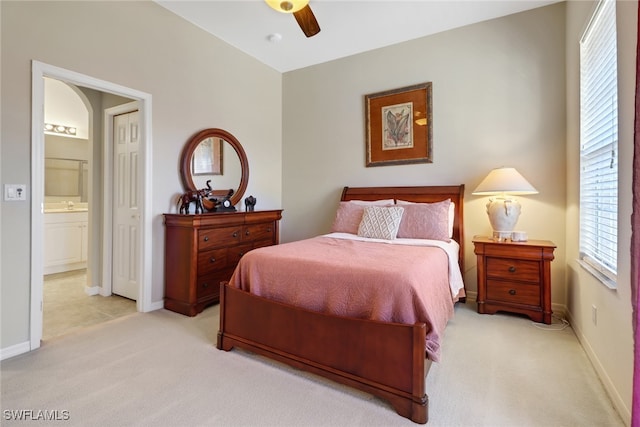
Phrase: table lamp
(503,210)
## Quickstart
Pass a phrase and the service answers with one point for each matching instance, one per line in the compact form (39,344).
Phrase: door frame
(39,70)
(107,223)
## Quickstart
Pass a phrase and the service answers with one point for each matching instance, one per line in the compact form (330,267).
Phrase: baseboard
(156,306)
(92,290)
(472,296)
(616,399)
(64,268)
(15,350)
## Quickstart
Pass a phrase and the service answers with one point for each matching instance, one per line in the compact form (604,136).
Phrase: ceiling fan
(301,11)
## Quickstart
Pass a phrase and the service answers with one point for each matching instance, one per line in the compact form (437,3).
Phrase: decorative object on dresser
(203,250)
(503,210)
(250,203)
(387,358)
(514,277)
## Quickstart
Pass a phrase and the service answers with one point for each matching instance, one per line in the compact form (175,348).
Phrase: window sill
(606,281)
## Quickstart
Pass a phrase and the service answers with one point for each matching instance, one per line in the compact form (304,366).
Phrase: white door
(126,215)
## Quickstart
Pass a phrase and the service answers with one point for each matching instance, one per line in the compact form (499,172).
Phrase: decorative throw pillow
(425,221)
(349,214)
(380,222)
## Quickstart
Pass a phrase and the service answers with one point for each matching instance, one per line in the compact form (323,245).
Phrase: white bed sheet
(451,248)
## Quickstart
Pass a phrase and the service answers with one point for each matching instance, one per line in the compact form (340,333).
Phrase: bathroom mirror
(66,178)
(217,156)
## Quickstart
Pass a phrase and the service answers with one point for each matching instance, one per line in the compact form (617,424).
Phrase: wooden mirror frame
(190,147)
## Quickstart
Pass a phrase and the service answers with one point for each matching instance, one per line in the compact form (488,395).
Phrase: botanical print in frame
(399,126)
(207,157)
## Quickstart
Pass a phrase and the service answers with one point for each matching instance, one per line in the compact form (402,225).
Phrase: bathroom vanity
(65,239)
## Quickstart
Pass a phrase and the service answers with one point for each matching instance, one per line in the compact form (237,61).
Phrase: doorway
(74,135)
(143,272)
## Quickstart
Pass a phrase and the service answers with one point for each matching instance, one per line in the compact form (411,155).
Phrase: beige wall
(498,100)
(196,81)
(608,342)
(504,93)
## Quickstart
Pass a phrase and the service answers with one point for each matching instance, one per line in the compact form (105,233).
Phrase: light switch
(15,192)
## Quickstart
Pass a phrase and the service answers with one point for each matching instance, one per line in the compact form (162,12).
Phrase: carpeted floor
(66,306)
(162,369)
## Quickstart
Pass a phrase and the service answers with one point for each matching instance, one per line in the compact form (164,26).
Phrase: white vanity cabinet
(65,241)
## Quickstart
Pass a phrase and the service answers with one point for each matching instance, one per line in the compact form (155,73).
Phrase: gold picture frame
(207,157)
(399,126)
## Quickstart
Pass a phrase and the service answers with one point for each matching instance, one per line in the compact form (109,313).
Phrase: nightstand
(514,277)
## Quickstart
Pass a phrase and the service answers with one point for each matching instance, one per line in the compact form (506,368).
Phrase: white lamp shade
(287,6)
(504,181)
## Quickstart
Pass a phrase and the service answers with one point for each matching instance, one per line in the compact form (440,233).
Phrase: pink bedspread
(366,280)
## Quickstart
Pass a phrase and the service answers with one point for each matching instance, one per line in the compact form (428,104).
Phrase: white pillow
(383,202)
(380,222)
(452,213)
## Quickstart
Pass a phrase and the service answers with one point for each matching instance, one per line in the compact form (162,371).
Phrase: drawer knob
(206,238)
(246,233)
(205,285)
(512,291)
(212,260)
(235,234)
(512,269)
(269,230)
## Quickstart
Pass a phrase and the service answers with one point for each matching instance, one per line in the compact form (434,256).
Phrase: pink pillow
(349,215)
(348,218)
(425,221)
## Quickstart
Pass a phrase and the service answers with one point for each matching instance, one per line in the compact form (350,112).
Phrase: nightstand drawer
(513,292)
(513,269)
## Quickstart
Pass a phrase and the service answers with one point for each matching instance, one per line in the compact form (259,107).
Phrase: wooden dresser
(203,250)
(515,277)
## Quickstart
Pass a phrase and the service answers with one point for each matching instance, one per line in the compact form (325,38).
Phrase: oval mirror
(216,156)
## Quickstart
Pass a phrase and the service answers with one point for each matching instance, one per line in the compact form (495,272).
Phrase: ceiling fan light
(287,6)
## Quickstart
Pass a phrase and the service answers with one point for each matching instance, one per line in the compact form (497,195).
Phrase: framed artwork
(399,126)
(207,157)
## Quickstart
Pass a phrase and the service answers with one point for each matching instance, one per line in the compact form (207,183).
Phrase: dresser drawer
(217,237)
(209,286)
(265,231)
(237,252)
(513,269)
(513,292)
(213,260)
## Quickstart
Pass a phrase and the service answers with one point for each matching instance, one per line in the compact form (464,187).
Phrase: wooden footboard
(383,359)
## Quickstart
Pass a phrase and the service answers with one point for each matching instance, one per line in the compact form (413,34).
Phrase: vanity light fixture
(503,210)
(60,129)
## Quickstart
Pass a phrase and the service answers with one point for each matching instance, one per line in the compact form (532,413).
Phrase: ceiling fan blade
(307,21)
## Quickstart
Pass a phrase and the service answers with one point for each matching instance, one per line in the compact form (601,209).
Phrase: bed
(384,357)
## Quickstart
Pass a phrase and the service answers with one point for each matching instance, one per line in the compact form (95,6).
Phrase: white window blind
(599,142)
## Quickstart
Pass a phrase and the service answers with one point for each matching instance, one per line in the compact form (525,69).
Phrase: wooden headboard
(424,194)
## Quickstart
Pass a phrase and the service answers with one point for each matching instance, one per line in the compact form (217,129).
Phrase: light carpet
(163,369)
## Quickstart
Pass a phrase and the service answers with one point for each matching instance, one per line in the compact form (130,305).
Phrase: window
(599,144)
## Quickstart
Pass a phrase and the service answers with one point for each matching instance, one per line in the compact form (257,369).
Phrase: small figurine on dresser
(224,204)
(250,203)
(196,197)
